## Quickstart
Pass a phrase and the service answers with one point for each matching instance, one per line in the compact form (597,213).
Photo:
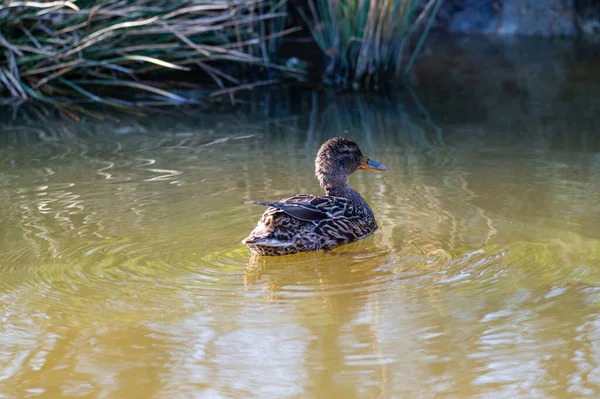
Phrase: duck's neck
(338,186)
(339,190)
(334,184)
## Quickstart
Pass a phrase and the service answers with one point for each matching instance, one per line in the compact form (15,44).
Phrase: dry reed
(126,53)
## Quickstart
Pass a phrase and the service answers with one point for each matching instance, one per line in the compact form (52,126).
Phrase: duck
(305,222)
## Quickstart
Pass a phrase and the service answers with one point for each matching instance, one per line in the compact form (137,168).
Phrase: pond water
(122,274)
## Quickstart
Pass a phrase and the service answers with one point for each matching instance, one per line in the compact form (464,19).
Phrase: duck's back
(307,223)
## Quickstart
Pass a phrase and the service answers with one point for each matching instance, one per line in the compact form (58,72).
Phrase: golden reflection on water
(122,272)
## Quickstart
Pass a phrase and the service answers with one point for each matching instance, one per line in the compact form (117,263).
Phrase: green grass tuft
(366,42)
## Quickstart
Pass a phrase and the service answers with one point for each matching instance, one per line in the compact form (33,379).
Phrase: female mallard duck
(304,222)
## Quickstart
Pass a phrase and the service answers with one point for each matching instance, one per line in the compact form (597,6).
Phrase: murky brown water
(122,274)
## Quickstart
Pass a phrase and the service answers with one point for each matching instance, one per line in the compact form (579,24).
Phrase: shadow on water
(121,258)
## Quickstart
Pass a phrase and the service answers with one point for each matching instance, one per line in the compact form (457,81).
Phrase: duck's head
(337,159)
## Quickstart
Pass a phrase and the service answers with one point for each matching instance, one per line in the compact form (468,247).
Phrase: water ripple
(126,246)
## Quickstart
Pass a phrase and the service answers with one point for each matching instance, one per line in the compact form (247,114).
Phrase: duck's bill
(372,165)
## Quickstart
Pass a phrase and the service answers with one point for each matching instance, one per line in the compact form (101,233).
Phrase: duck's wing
(310,208)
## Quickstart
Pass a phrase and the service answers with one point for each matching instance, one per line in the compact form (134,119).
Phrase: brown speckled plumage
(304,222)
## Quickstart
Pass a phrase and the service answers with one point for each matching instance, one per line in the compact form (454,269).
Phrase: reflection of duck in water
(335,308)
(304,222)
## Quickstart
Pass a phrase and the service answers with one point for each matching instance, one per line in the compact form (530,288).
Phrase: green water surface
(122,274)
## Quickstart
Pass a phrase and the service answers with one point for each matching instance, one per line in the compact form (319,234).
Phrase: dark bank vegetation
(129,53)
